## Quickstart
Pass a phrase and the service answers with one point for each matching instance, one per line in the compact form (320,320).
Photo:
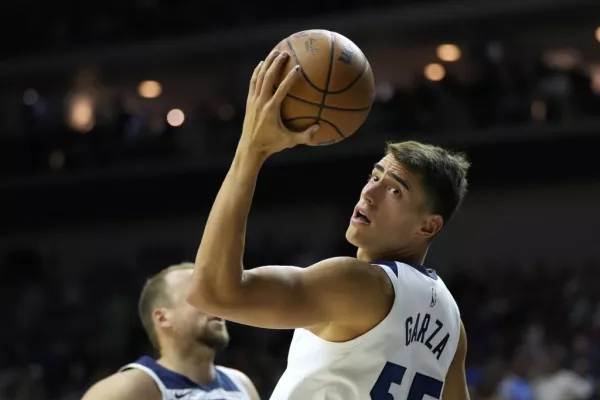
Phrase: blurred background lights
(384,92)
(30,97)
(175,117)
(435,72)
(150,89)
(448,52)
(594,72)
(81,113)
(563,59)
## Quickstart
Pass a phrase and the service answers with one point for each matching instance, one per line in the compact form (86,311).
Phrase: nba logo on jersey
(433,297)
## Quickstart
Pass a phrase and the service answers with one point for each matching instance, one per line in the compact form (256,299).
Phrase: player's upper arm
(128,385)
(455,387)
(244,380)
(340,289)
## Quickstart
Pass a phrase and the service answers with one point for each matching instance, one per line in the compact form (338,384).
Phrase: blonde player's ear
(431,226)
(159,316)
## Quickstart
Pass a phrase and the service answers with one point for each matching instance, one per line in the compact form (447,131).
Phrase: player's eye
(395,191)
(373,178)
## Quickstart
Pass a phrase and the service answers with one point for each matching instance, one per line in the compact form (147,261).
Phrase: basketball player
(378,326)
(187,341)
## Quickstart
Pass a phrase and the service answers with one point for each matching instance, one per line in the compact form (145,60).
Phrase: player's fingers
(254,78)
(273,73)
(286,85)
(263,70)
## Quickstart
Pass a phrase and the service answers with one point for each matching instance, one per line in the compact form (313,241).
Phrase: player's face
(390,217)
(189,324)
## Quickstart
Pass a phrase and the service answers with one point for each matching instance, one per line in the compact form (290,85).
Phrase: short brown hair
(442,173)
(154,294)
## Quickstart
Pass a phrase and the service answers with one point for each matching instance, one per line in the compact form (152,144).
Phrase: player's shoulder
(241,378)
(353,266)
(126,385)
(345,265)
(353,273)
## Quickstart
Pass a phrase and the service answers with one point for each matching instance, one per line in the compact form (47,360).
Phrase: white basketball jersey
(405,357)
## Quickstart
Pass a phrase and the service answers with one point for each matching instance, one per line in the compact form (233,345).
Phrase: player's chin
(220,340)
(354,236)
(217,328)
(214,340)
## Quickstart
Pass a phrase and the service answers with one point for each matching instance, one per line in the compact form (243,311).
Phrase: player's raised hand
(263,130)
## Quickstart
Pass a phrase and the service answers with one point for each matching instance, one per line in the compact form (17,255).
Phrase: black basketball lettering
(415,330)
(408,325)
(424,326)
(439,326)
(309,46)
(441,346)
(347,54)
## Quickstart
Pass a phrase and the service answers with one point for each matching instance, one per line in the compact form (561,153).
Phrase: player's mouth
(360,217)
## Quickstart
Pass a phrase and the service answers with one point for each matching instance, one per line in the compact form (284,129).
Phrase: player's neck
(196,364)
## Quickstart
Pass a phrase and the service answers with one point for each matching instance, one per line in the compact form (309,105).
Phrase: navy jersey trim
(174,380)
(427,272)
(390,264)
(394,267)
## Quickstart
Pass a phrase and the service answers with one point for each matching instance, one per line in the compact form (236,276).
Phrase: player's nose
(369,193)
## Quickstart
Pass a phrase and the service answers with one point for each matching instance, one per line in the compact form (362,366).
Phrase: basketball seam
(289,43)
(326,107)
(362,72)
(334,126)
(329,72)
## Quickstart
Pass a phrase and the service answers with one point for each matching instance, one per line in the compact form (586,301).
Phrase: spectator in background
(516,385)
(558,383)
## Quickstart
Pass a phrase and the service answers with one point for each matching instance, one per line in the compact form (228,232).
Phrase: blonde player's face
(392,201)
(187,323)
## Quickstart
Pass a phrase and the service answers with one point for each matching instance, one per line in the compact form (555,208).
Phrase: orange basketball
(337,88)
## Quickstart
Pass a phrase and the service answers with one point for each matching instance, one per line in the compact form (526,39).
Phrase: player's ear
(431,226)
(161,318)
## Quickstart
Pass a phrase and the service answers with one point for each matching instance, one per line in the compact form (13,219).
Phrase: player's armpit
(455,387)
(341,289)
(128,385)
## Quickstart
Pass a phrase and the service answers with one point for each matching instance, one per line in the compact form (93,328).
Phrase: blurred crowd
(508,90)
(533,330)
(72,26)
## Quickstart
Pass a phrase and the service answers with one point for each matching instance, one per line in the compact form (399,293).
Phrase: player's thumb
(308,135)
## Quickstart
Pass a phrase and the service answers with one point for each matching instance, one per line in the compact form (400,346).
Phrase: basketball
(337,88)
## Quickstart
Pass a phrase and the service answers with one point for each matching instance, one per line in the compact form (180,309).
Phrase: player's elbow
(210,305)
(212,292)
(202,298)
(209,299)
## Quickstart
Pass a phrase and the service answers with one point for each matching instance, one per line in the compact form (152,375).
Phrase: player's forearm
(218,271)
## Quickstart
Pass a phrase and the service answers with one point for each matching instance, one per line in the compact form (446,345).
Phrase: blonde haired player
(378,326)
(187,340)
